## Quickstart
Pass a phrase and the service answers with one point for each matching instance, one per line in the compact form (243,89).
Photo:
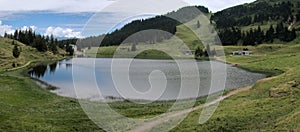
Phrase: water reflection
(59,74)
(53,67)
(39,71)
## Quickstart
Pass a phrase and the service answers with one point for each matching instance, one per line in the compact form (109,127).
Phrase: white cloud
(218,5)
(63,32)
(5,28)
(33,28)
(54,5)
(76,6)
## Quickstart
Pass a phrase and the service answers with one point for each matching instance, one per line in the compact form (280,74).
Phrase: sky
(82,18)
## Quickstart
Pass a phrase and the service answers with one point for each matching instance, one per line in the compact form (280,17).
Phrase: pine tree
(5,35)
(16,51)
(259,35)
(40,44)
(16,35)
(70,50)
(198,53)
(280,33)
(52,45)
(270,35)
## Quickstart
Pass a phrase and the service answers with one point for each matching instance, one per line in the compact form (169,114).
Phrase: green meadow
(271,104)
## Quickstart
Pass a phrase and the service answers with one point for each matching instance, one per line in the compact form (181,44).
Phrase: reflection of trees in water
(68,65)
(38,71)
(53,67)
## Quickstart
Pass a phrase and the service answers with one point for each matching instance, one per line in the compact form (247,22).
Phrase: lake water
(95,79)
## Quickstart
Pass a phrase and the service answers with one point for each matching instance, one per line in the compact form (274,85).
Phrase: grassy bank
(271,105)
(25,106)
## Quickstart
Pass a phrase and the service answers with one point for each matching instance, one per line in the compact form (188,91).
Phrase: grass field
(272,104)
(25,106)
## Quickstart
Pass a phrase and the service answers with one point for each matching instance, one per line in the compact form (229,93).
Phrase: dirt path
(27,64)
(149,125)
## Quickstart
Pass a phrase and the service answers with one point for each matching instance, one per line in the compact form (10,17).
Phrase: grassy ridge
(28,54)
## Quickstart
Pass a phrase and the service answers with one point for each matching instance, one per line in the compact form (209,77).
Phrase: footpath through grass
(273,104)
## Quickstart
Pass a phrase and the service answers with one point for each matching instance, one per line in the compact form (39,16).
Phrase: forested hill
(165,23)
(260,11)
(263,21)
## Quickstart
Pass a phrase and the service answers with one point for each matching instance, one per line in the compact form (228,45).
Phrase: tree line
(245,15)
(40,42)
(234,36)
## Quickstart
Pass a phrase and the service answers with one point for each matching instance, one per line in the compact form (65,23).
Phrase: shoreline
(268,73)
(50,88)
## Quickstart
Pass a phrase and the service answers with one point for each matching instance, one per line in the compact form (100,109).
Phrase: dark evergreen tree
(198,53)
(259,36)
(270,35)
(40,44)
(52,45)
(16,51)
(280,31)
(5,35)
(70,50)
(16,35)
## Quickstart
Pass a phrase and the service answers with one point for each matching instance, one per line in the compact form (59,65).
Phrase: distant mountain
(64,38)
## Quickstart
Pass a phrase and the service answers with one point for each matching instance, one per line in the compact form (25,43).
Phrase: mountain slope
(28,54)
(165,23)
(259,12)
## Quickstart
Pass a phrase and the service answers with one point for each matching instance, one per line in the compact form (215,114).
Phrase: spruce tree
(52,45)
(198,53)
(16,51)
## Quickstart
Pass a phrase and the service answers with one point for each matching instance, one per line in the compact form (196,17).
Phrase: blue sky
(68,18)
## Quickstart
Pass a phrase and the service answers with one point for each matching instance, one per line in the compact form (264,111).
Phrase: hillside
(260,12)
(185,38)
(263,21)
(165,23)
(28,54)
